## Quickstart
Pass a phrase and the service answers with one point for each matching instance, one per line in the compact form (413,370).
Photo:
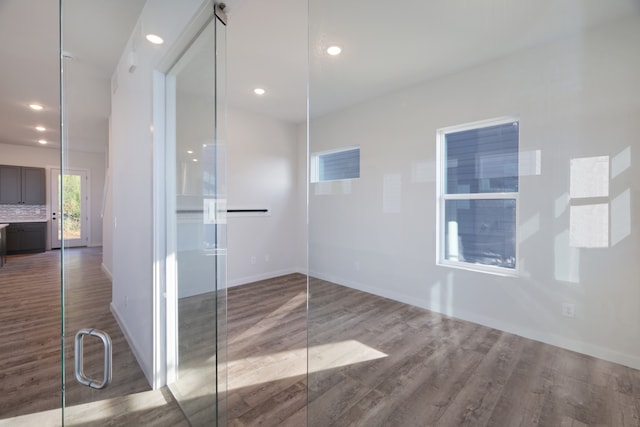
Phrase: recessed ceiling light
(195,160)
(334,50)
(41,128)
(189,151)
(36,107)
(154,39)
(259,91)
(42,141)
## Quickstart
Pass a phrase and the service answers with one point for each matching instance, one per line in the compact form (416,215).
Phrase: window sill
(480,268)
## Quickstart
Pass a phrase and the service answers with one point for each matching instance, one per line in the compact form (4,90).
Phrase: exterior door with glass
(69,213)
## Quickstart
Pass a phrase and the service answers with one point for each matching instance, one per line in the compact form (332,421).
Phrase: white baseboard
(107,272)
(567,343)
(147,370)
(263,276)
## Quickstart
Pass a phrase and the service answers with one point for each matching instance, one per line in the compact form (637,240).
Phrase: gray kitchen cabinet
(26,237)
(10,185)
(22,185)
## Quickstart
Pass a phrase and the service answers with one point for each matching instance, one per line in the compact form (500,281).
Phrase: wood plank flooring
(371,361)
(267,341)
(30,334)
(377,362)
(30,330)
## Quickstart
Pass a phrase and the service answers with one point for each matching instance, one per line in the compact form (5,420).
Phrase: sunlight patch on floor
(287,364)
(275,317)
(91,412)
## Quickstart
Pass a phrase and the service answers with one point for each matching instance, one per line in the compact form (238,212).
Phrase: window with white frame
(335,165)
(478,195)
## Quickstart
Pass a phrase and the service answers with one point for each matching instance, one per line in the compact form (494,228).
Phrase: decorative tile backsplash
(23,213)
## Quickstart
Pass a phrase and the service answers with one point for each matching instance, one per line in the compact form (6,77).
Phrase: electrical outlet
(568,309)
(252,260)
(266,258)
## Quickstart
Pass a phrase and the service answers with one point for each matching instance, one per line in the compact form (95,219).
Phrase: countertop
(3,226)
(13,221)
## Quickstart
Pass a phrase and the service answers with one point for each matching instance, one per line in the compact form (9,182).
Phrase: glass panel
(155,346)
(399,338)
(220,191)
(481,232)
(197,232)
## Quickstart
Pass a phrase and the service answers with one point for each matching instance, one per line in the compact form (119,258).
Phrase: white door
(69,224)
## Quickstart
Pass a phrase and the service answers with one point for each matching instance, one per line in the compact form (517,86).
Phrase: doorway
(69,207)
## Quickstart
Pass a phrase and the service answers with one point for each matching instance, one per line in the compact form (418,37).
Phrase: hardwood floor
(371,361)
(377,362)
(195,389)
(30,334)
(267,353)
(30,362)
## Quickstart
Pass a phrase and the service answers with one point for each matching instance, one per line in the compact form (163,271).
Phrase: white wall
(576,98)
(131,158)
(262,165)
(262,156)
(49,157)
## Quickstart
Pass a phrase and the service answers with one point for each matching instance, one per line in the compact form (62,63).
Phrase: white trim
(632,361)
(146,369)
(481,268)
(480,196)
(159,241)
(107,272)
(262,276)
(480,124)
(442,197)
(169,232)
(165,297)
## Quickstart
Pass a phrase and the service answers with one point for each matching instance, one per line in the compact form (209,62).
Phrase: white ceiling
(30,67)
(29,70)
(386,46)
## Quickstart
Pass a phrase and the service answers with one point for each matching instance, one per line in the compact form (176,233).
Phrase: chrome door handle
(79,358)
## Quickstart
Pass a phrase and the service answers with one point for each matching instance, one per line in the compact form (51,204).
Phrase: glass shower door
(144,315)
(105,380)
(196,226)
